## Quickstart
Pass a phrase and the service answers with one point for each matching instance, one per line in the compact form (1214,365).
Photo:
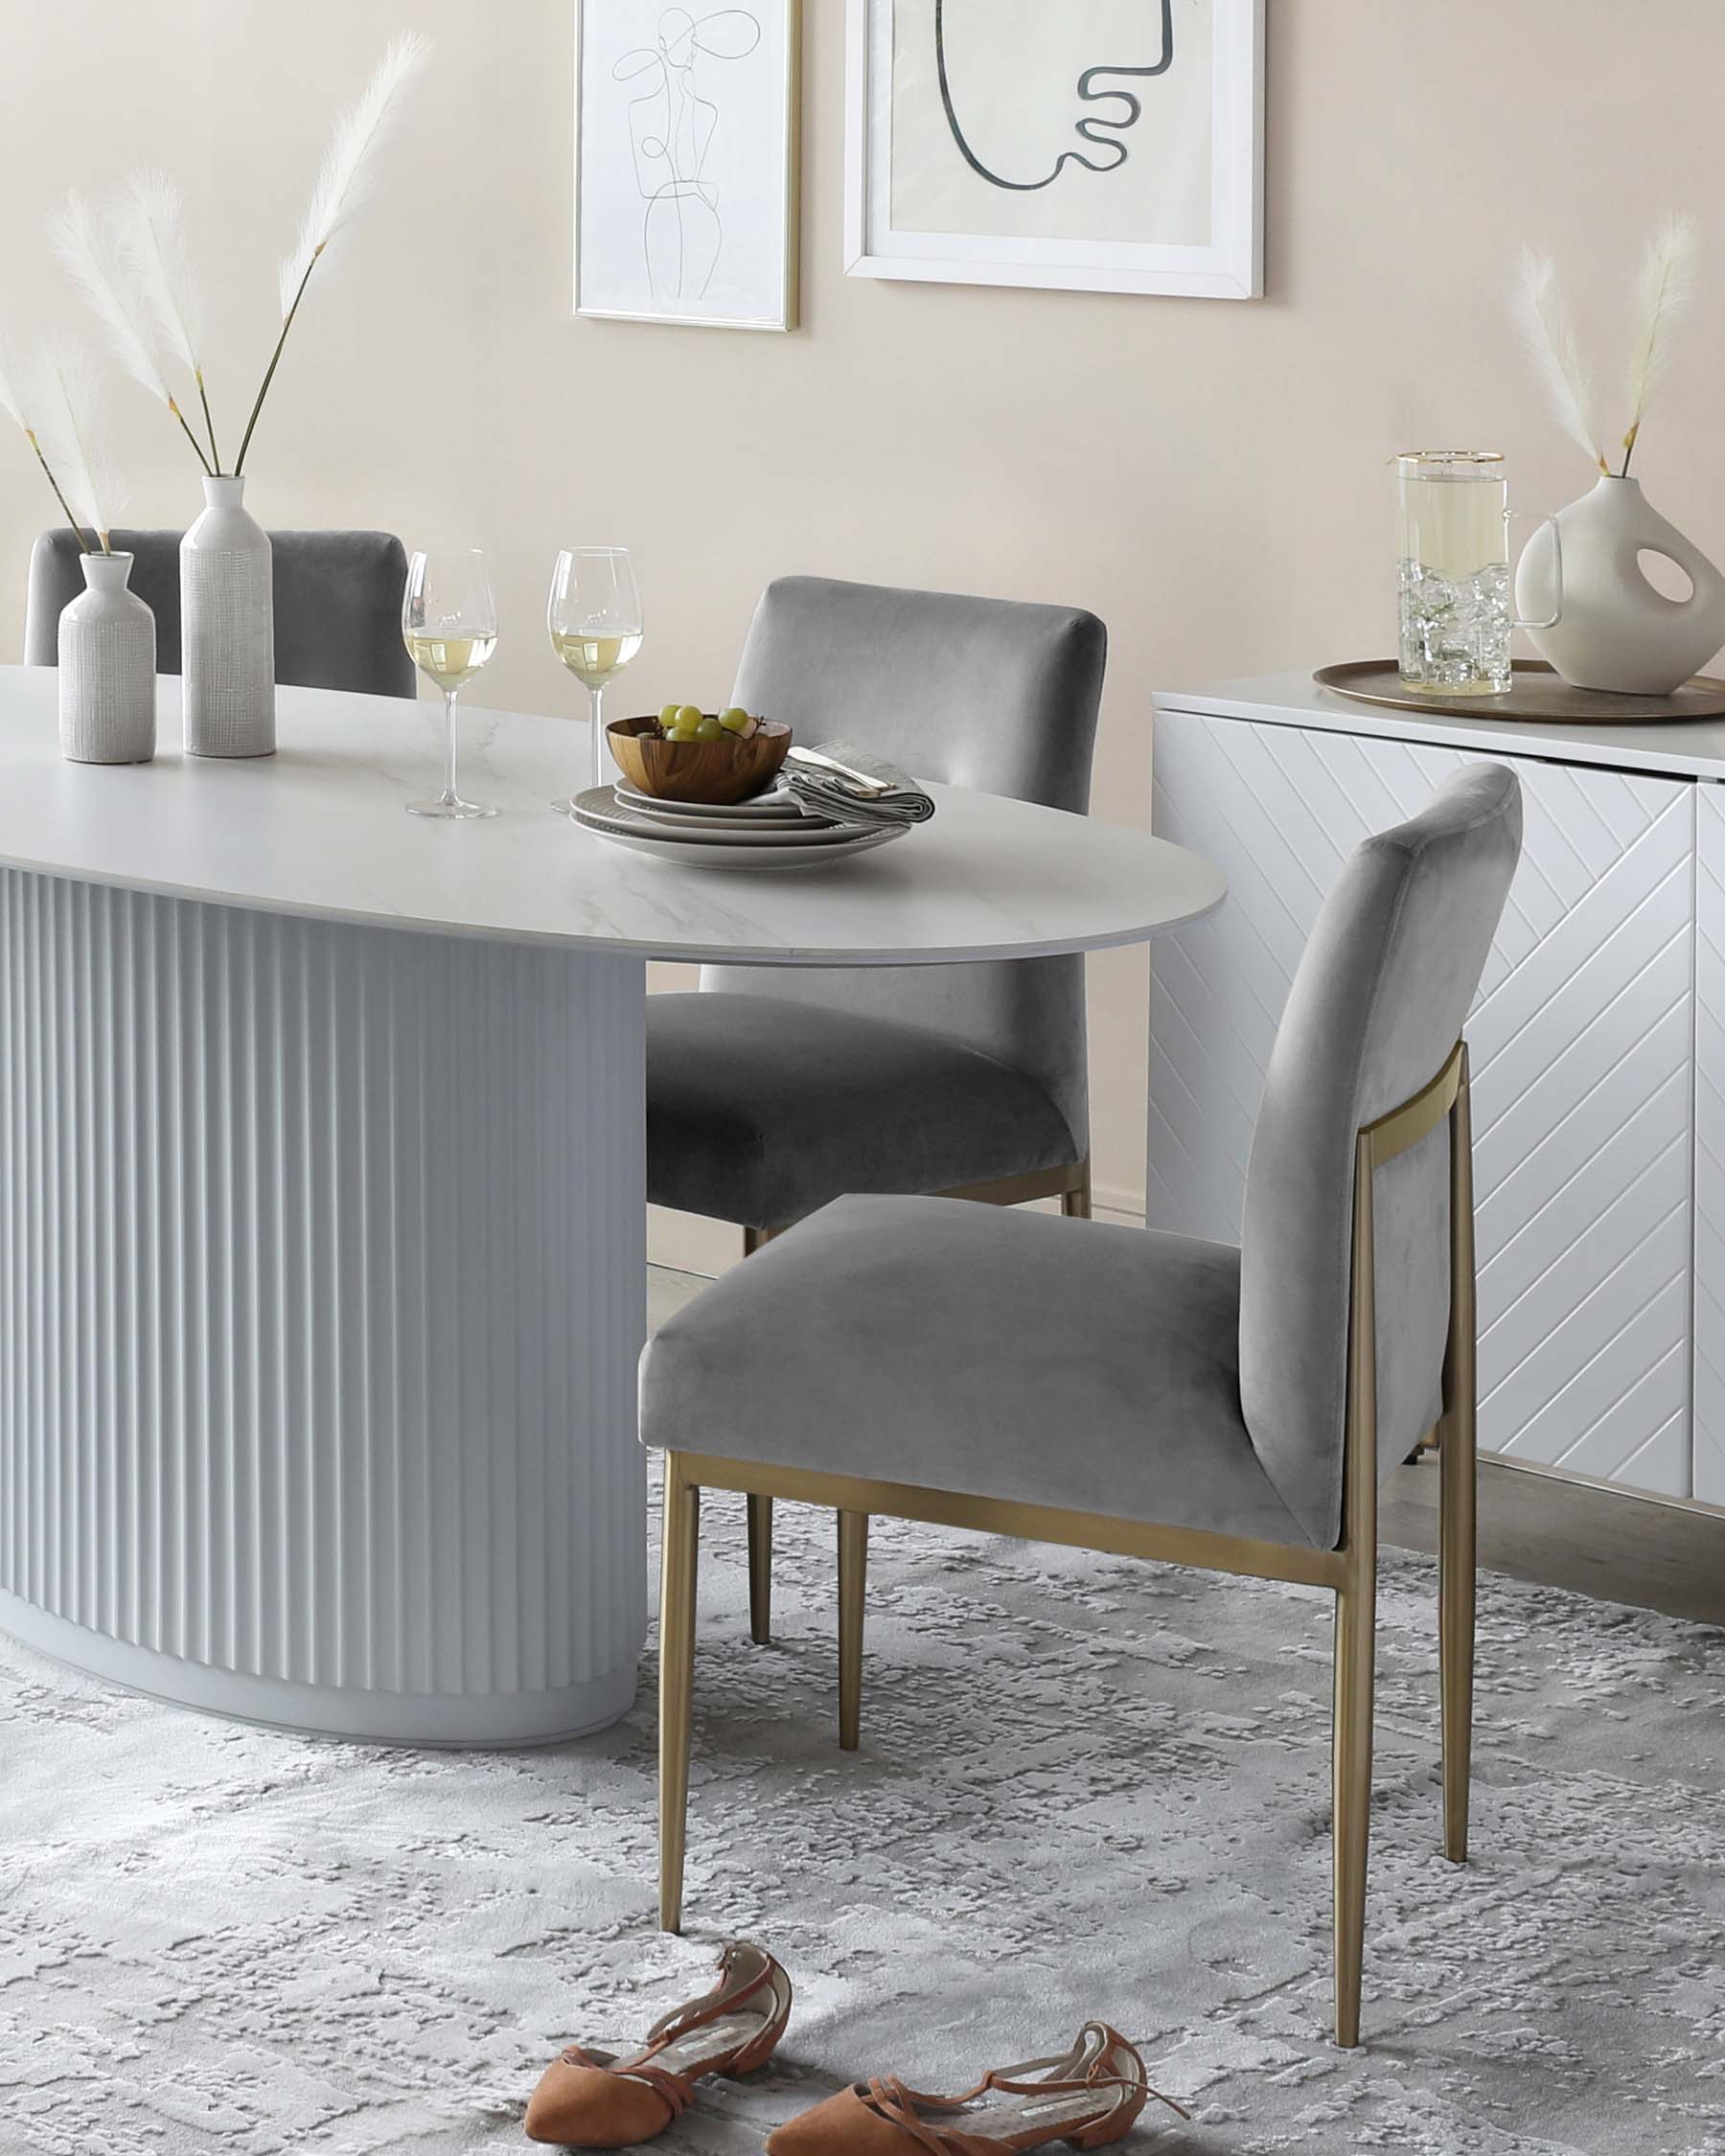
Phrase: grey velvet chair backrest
(1378,1002)
(985,693)
(337,605)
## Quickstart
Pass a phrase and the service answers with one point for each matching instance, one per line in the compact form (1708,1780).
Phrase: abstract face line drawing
(672,128)
(1088,128)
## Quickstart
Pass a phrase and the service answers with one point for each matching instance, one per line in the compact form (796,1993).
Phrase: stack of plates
(768,832)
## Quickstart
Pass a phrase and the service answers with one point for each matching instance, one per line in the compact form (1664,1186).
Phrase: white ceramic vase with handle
(227,628)
(107,659)
(1614,629)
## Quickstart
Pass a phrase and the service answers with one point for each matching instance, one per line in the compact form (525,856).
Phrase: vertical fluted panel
(321,1262)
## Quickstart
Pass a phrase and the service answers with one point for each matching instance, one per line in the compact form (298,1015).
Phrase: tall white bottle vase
(1614,629)
(227,628)
(107,657)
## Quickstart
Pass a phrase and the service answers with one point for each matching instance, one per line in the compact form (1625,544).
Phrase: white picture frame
(885,163)
(651,200)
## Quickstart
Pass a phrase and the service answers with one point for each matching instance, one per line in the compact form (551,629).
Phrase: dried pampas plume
(345,177)
(18,400)
(343,181)
(85,242)
(66,393)
(152,251)
(1543,316)
(1668,284)
(130,261)
(1664,293)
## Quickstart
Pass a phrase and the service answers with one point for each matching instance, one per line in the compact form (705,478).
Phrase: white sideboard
(1598,1042)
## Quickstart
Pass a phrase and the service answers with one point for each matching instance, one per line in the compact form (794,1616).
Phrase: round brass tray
(1539,692)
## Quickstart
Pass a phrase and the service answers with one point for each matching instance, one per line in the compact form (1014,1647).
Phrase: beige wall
(1208,475)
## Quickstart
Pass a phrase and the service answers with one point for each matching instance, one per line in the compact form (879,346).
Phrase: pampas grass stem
(1664,290)
(1666,287)
(151,247)
(1543,318)
(85,244)
(275,360)
(340,191)
(13,403)
(68,387)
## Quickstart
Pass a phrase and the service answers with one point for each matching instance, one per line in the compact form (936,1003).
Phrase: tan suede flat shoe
(594,2100)
(1087,2098)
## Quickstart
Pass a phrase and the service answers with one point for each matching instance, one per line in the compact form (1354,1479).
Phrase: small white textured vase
(107,657)
(1614,630)
(227,628)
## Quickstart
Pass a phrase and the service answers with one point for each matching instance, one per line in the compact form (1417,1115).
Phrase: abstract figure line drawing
(686,159)
(672,129)
(1085,146)
(1099,130)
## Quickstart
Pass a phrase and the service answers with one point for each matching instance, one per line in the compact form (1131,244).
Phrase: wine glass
(594,616)
(449,627)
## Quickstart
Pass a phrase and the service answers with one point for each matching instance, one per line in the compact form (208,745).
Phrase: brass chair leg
(760,1569)
(1076,1203)
(676,1681)
(853,1577)
(1356,1635)
(1458,1468)
(1356,1615)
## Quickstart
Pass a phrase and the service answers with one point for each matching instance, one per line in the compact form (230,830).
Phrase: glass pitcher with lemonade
(1453,523)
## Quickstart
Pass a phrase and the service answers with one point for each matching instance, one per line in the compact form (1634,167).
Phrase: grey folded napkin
(822,792)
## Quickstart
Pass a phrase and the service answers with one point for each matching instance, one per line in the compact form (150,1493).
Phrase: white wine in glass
(449,627)
(593,660)
(450,660)
(594,617)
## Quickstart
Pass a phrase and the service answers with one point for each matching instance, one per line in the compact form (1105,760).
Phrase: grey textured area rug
(1087,1788)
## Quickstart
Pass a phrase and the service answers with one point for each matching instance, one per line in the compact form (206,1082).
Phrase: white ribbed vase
(227,628)
(107,656)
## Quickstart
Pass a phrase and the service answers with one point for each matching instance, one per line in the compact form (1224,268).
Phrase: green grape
(709,729)
(690,715)
(735,721)
(668,717)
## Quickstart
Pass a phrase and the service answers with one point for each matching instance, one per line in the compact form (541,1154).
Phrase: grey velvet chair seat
(337,605)
(762,1112)
(899,1328)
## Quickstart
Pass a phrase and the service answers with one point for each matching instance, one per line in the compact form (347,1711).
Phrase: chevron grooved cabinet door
(1583,1040)
(1710,1143)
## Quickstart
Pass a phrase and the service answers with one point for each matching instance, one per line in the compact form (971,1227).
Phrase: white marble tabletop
(319,829)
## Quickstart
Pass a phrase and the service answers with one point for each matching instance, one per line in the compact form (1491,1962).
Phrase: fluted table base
(321,1291)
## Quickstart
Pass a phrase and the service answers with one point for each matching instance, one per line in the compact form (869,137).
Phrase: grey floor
(1537,1527)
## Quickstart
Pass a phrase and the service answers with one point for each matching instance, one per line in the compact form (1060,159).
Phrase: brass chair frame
(1071,1185)
(1349,1570)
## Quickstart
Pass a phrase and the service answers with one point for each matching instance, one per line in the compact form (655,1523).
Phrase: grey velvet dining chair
(1149,1394)
(337,605)
(772,1090)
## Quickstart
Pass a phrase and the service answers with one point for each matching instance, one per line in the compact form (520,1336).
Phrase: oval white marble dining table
(322,1194)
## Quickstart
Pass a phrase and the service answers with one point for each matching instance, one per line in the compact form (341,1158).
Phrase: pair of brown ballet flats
(1087,2097)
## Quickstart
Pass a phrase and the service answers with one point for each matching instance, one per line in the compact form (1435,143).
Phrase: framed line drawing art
(686,162)
(1103,146)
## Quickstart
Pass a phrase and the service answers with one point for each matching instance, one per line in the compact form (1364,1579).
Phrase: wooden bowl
(719,772)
